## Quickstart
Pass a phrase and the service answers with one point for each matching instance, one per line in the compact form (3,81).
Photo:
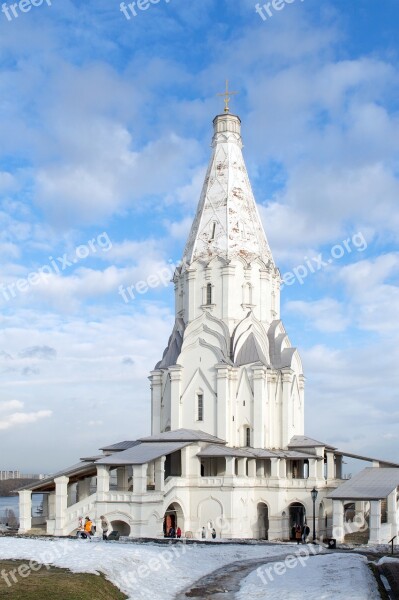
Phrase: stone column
(286,421)
(265,307)
(275,471)
(140,479)
(283,468)
(61,502)
(102,482)
(228,293)
(190,297)
(51,506)
(312,468)
(84,489)
(70,495)
(122,479)
(338,521)
(251,467)
(230,466)
(260,405)
(375,522)
(242,467)
(175,396)
(338,466)
(392,513)
(223,401)
(156,398)
(260,468)
(191,465)
(25,511)
(160,474)
(330,466)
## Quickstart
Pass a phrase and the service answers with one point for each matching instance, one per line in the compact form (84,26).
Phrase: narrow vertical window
(248,436)
(213,231)
(209,293)
(200,411)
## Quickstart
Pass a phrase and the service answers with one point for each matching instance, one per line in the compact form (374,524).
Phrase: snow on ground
(328,577)
(387,559)
(146,571)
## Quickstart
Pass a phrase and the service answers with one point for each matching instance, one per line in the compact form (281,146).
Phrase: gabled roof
(302,441)
(373,483)
(251,352)
(143,453)
(183,435)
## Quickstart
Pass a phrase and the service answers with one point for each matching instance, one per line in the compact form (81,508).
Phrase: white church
(228,449)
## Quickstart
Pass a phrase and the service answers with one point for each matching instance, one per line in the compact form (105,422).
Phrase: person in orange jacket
(88,526)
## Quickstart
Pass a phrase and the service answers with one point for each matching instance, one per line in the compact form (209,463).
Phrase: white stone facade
(227,448)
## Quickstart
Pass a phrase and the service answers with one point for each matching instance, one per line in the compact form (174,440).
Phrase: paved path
(391,573)
(225,582)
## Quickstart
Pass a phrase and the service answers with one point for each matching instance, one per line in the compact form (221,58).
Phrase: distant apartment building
(18,475)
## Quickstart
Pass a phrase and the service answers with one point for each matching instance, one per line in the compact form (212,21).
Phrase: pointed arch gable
(198,381)
(244,383)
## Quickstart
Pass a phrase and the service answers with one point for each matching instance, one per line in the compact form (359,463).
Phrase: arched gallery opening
(173,518)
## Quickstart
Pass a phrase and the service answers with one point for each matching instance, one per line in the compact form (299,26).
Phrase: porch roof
(373,483)
(302,441)
(142,453)
(120,446)
(183,435)
(77,469)
(214,450)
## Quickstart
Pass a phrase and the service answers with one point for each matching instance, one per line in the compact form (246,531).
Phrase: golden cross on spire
(227,96)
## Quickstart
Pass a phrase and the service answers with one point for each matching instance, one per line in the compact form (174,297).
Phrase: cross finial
(227,96)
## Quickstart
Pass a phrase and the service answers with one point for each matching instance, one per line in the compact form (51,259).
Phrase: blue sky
(105,128)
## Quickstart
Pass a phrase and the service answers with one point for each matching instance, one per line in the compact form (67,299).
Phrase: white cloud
(9,405)
(22,418)
(327,315)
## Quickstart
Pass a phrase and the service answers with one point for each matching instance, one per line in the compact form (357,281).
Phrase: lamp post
(314,494)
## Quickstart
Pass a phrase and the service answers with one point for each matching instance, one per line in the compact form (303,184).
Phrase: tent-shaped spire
(227,223)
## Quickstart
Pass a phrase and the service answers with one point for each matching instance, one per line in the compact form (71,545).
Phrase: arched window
(209,293)
(200,407)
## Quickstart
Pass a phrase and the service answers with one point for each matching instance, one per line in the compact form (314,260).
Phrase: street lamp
(314,494)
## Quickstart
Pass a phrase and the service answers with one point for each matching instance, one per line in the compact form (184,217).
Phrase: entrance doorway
(173,518)
(297,517)
(263,521)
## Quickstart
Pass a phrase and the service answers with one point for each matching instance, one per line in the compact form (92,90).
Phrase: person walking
(88,528)
(178,533)
(203,533)
(298,534)
(213,533)
(104,526)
